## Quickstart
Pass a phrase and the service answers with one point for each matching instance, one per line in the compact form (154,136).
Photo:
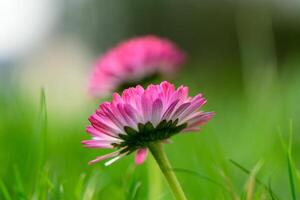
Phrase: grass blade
(38,152)
(79,186)
(271,193)
(134,190)
(298,178)
(229,185)
(4,190)
(291,178)
(19,187)
(191,172)
(290,164)
(93,185)
(271,190)
(42,129)
(288,151)
(45,185)
(250,187)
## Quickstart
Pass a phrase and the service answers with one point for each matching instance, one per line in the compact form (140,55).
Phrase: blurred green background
(244,56)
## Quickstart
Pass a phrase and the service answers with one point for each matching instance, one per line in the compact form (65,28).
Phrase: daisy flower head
(139,117)
(132,62)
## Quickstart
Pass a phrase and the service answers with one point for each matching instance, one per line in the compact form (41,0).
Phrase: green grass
(42,158)
(4,191)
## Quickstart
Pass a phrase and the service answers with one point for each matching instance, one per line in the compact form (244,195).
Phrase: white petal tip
(112,160)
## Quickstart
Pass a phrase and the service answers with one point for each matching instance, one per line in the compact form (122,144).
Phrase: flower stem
(165,166)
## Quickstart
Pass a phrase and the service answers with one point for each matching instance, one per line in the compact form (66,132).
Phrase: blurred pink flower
(133,62)
(141,116)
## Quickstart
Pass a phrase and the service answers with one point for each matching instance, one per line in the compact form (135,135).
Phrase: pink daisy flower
(134,62)
(141,116)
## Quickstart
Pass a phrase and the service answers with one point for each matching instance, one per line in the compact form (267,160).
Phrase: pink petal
(170,110)
(196,103)
(141,156)
(156,111)
(168,89)
(127,96)
(132,113)
(125,116)
(179,110)
(103,117)
(96,133)
(117,99)
(114,117)
(115,159)
(200,119)
(146,106)
(154,90)
(166,86)
(97,144)
(110,155)
(181,94)
(118,114)
(103,127)
(139,90)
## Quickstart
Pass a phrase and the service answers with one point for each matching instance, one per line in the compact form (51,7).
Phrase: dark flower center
(147,133)
(143,82)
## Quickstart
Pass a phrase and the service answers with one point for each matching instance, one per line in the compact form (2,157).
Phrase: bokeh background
(244,56)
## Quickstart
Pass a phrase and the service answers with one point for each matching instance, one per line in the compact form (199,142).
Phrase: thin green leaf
(134,191)
(4,191)
(79,186)
(191,172)
(240,167)
(291,178)
(284,145)
(42,129)
(288,151)
(290,138)
(131,185)
(271,190)
(271,193)
(44,185)
(250,186)
(229,184)
(93,185)
(290,163)
(298,178)
(40,140)
(19,188)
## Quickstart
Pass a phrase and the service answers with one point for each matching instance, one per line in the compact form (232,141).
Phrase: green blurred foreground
(248,151)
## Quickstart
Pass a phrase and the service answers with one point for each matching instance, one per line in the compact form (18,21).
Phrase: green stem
(165,166)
